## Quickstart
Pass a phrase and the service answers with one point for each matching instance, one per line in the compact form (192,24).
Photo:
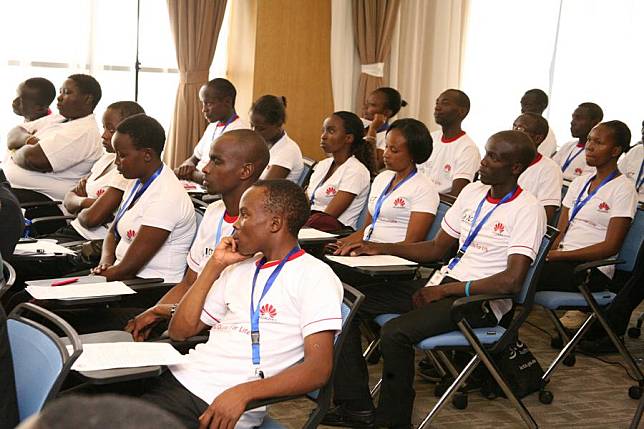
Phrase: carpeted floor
(592,394)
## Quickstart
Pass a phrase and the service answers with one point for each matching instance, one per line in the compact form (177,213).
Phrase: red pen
(65,282)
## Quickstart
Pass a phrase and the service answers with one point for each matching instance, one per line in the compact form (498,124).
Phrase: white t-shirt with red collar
(544,180)
(451,159)
(212,132)
(305,299)
(165,205)
(286,153)
(616,198)
(549,144)
(577,167)
(352,177)
(417,194)
(206,238)
(631,166)
(515,227)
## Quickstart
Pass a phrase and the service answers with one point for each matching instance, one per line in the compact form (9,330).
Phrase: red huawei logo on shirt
(578,171)
(603,207)
(267,311)
(399,202)
(447,168)
(499,228)
(100,192)
(130,234)
(330,191)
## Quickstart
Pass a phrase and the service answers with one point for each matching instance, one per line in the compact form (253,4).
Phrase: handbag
(520,369)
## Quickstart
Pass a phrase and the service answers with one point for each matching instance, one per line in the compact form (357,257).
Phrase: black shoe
(429,374)
(340,416)
(602,346)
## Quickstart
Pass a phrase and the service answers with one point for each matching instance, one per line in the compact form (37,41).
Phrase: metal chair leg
(638,414)
(567,348)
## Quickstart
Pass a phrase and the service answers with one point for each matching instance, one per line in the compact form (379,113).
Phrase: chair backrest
(307,171)
(363,214)
(443,206)
(40,360)
(632,242)
(8,277)
(531,278)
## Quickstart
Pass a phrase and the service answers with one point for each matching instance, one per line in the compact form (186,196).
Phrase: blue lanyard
(136,192)
(476,228)
(571,158)
(579,203)
(383,127)
(254,311)
(228,122)
(640,179)
(383,196)
(219,228)
(312,200)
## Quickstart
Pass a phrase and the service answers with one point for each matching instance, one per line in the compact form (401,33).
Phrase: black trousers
(398,337)
(560,276)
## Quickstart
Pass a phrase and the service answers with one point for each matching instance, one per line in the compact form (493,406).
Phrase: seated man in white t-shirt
(296,301)
(632,166)
(236,161)
(33,97)
(570,156)
(543,176)
(513,225)
(218,106)
(155,223)
(536,101)
(54,158)
(455,158)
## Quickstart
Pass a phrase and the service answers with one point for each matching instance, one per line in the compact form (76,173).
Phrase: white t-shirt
(165,205)
(417,194)
(96,185)
(352,176)
(43,122)
(616,198)
(286,153)
(71,147)
(544,180)
(549,145)
(515,227)
(577,166)
(381,139)
(206,238)
(451,159)
(631,166)
(305,299)
(212,132)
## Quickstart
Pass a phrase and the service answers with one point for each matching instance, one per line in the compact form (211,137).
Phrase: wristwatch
(173,308)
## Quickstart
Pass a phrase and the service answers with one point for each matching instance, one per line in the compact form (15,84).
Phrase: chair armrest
(596,264)
(209,198)
(32,204)
(46,219)
(461,306)
(269,401)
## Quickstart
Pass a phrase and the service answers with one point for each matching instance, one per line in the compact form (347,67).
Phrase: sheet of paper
(370,260)
(309,233)
(41,247)
(81,280)
(75,291)
(193,187)
(125,355)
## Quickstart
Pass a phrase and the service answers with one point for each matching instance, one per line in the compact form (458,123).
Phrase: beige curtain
(195,26)
(427,53)
(374,22)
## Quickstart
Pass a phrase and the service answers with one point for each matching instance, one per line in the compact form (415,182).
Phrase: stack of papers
(125,355)
(193,187)
(76,290)
(41,247)
(370,260)
(310,233)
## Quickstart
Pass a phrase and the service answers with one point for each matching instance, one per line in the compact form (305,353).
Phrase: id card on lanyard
(438,276)
(138,190)
(254,309)
(580,203)
(383,196)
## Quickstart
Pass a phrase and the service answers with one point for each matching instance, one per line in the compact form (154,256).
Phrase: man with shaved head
(543,176)
(455,158)
(504,226)
(237,159)
(535,101)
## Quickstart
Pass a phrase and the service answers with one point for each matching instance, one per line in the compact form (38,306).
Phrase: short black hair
(103,411)
(540,95)
(145,132)
(224,88)
(462,100)
(287,198)
(419,140)
(45,90)
(393,99)
(539,123)
(272,108)
(89,86)
(126,108)
(253,146)
(523,147)
(621,134)
(363,151)
(594,111)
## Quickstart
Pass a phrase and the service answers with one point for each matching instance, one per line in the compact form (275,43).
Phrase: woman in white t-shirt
(267,117)
(339,185)
(96,197)
(596,213)
(155,223)
(402,203)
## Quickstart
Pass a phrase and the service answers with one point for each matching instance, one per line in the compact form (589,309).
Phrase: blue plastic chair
(484,341)
(630,256)
(40,360)
(306,171)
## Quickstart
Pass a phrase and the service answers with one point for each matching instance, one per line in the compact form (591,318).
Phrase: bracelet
(467,287)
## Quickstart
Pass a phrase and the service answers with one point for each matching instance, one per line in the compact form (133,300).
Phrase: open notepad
(371,260)
(82,290)
(41,247)
(312,233)
(125,355)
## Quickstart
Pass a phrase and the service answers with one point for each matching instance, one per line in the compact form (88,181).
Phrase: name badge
(438,276)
